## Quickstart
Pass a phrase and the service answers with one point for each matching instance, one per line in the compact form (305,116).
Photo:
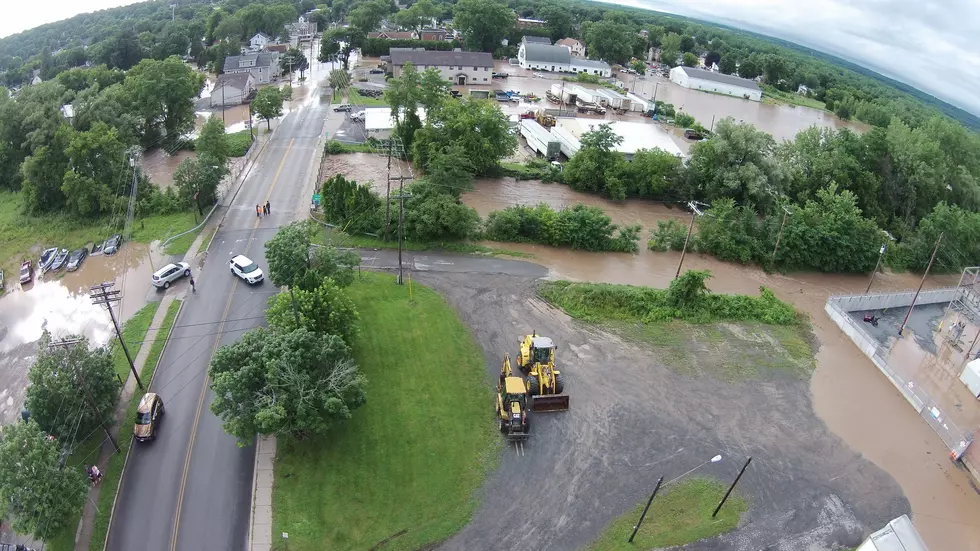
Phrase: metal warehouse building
(709,81)
(636,135)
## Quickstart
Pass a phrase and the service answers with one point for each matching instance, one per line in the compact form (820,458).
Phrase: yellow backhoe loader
(512,412)
(545,384)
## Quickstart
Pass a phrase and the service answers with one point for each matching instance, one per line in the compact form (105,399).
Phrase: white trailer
(540,139)
(586,95)
(971,377)
(638,104)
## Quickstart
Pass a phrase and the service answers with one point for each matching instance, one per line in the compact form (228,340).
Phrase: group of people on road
(94,474)
(263,209)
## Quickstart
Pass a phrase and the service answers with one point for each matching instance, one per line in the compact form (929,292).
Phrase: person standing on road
(268,208)
(258,211)
(193,287)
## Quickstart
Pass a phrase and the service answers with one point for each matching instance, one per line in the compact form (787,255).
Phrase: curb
(115,498)
(255,482)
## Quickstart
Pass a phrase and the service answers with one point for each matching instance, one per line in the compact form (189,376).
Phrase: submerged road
(191,488)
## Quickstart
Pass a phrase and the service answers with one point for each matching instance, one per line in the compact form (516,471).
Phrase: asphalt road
(191,488)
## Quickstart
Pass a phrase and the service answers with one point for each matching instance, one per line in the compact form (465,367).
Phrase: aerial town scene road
(468,274)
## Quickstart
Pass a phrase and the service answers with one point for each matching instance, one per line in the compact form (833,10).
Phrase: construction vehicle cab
(512,412)
(545,383)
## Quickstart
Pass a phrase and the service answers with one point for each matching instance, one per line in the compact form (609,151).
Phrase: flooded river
(849,393)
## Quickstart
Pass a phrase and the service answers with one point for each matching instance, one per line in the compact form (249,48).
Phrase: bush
(580,227)
(687,299)
(238,143)
(535,169)
(665,109)
(431,215)
(352,206)
(684,120)
(669,236)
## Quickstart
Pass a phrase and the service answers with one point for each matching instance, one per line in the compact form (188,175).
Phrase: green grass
(335,147)
(777,97)
(358,99)
(680,516)
(238,142)
(408,465)
(134,332)
(113,471)
(341,239)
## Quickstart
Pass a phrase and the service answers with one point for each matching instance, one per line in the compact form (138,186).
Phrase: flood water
(855,400)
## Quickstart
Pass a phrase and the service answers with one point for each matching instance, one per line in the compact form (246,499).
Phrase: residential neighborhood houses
(575,47)
(232,89)
(264,66)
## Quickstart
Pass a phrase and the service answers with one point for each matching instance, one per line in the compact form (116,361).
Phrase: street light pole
(694,213)
(881,253)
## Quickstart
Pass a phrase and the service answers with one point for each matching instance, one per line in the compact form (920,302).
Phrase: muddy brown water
(849,394)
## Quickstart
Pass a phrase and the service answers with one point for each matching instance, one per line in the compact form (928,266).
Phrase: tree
(368,14)
(670,49)
(687,43)
(450,169)
(122,51)
(639,66)
(434,215)
(690,60)
(268,104)
(163,94)
(40,497)
(61,381)
(749,68)
(479,127)
(294,384)
(293,60)
(654,173)
(341,41)
(728,64)
(417,17)
(325,310)
(559,20)
(484,23)
(291,263)
(213,142)
(595,166)
(197,179)
(43,173)
(98,161)
(609,40)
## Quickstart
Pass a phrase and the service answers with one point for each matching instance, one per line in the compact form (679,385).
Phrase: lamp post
(714,459)
(643,515)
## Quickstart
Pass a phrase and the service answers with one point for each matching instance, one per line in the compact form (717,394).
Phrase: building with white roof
(378,122)
(636,136)
(720,83)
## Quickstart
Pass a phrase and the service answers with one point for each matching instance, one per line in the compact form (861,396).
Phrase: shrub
(684,120)
(535,169)
(238,143)
(669,236)
(580,227)
(431,215)
(352,206)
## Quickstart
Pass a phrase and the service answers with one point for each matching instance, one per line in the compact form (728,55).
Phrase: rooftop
(238,80)
(595,64)
(569,42)
(394,35)
(636,135)
(442,58)
(262,59)
(720,77)
(546,53)
(379,118)
(528,39)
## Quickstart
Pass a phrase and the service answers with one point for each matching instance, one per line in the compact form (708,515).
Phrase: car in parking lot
(343,107)
(76,258)
(244,268)
(59,260)
(377,71)
(111,245)
(357,116)
(170,273)
(148,416)
(26,272)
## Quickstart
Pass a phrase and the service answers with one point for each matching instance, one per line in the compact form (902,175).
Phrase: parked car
(377,71)
(170,273)
(500,75)
(59,260)
(112,244)
(76,258)
(148,416)
(244,268)
(357,116)
(343,107)
(47,259)
(26,272)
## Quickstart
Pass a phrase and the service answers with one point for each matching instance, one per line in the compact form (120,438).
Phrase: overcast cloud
(930,44)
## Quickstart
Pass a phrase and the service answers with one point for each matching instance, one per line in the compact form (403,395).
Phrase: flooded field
(60,302)
(849,393)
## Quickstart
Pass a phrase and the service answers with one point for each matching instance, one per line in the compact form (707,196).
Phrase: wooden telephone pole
(102,294)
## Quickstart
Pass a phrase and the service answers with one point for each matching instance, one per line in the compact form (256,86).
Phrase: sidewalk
(83,535)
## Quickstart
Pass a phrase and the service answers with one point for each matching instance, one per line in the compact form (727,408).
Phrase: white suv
(244,268)
(170,273)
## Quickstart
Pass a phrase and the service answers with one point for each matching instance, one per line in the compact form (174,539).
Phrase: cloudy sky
(929,44)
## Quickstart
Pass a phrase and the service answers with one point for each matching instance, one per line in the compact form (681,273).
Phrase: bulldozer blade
(549,402)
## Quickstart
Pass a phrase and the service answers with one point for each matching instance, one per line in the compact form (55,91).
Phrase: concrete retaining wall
(893,300)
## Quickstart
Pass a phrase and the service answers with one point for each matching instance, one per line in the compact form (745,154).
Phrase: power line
(101,294)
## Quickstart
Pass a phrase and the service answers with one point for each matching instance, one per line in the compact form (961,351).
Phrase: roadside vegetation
(771,94)
(679,515)
(337,491)
(696,332)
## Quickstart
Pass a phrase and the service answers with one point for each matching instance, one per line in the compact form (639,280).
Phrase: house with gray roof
(719,83)
(264,66)
(457,67)
(558,59)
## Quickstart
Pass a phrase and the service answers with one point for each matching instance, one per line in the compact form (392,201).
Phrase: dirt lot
(633,418)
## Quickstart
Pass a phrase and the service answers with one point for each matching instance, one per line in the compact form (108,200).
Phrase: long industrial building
(636,136)
(720,83)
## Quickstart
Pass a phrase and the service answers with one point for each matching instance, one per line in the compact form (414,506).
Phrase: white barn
(699,79)
(558,59)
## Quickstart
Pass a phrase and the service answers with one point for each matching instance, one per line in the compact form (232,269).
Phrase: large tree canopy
(484,23)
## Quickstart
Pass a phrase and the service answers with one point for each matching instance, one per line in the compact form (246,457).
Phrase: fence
(837,309)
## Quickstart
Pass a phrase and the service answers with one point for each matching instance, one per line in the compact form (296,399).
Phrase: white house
(575,47)
(541,57)
(457,67)
(264,66)
(232,89)
(259,42)
(302,30)
(699,79)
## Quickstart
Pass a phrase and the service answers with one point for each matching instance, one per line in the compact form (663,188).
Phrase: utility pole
(67,344)
(173,12)
(921,283)
(101,294)
(401,226)
(223,106)
(561,97)
(779,236)
(695,212)
(881,253)
(391,145)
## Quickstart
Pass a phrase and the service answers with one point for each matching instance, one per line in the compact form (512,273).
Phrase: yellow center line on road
(204,388)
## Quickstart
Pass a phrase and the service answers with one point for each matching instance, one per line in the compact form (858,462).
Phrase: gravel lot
(633,419)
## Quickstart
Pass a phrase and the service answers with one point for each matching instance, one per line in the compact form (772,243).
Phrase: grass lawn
(679,515)
(166,225)
(238,142)
(341,239)
(134,332)
(25,236)
(775,96)
(357,99)
(408,464)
